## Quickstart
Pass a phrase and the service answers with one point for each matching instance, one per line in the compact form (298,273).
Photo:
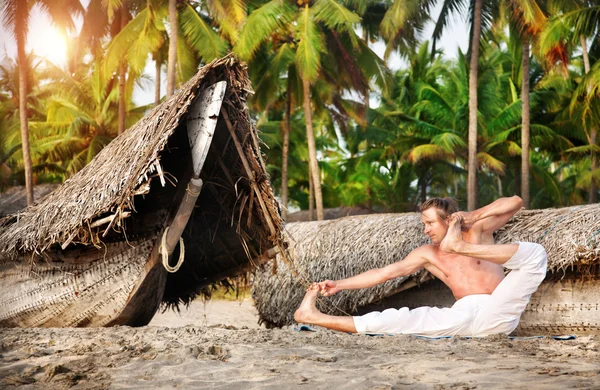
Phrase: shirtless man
(462,255)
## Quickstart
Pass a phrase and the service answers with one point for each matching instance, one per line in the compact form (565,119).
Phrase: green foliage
(388,157)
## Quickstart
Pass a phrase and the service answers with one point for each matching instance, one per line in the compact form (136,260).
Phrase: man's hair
(443,206)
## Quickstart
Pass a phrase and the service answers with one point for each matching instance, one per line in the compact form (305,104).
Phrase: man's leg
(307,313)
(430,321)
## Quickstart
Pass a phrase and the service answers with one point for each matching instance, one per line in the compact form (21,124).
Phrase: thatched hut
(566,302)
(88,253)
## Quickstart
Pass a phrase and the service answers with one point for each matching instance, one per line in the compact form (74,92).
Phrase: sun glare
(51,45)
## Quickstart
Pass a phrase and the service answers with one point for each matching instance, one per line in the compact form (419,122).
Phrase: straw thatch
(126,193)
(345,247)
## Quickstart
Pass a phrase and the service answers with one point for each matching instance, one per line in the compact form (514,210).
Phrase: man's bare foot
(453,239)
(307,312)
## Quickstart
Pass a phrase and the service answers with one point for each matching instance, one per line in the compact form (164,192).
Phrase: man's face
(435,227)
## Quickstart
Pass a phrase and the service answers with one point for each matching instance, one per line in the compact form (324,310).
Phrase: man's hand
(466,219)
(328,287)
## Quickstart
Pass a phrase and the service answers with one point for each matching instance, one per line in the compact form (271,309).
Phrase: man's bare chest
(459,267)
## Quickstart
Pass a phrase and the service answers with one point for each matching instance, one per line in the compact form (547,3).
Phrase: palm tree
(104,18)
(528,19)
(81,116)
(145,34)
(577,21)
(172,59)
(481,16)
(303,33)
(15,15)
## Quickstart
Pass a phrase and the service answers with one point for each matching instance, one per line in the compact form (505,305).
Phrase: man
(462,254)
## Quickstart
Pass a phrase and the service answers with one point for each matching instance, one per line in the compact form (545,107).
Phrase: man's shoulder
(426,251)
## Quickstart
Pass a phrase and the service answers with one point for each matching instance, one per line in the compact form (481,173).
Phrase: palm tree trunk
(367,91)
(311,196)
(499,186)
(312,150)
(23,88)
(525,125)
(286,149)
(593,132)
(157,82)
(473,75)
(122,76)
(174,30)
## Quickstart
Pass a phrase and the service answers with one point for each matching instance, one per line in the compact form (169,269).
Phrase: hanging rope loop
(165,253)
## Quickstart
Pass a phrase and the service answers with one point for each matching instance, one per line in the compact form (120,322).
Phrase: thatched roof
(348,246)
(127,191)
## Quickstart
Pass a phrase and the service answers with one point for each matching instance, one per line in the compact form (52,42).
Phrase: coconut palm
(575,23)
(526,22)
(81,117)
(107,18)
(480,17)
(15,16)
(318,39)
(197,39)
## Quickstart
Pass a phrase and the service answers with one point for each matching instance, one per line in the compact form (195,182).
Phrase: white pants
(473,315)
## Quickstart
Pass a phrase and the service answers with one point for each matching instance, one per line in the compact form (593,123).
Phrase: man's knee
(530,257)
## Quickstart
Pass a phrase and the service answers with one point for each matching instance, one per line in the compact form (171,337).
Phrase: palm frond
(335,16)
(310,46)
(449,7)
(260,24)
(428,152)
(449,141)
(201,36)
(490,162)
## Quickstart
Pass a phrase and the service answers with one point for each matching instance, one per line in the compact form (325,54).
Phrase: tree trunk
(286,149)
(367,95)
(174,29)
(525,125)
(23,89)
(157,82)
(311,196)
(312,150)
(499,186)
(593,132)
(122,76)
(473,75)
(517,180)
(586,58)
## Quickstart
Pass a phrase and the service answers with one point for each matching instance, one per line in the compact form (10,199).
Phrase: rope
(165,253)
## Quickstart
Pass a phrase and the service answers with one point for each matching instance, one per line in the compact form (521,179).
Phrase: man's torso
(462,274)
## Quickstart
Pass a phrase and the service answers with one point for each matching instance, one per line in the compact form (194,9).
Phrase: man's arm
(411,263)
(493,216)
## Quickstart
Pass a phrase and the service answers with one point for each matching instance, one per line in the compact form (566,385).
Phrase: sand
(220,346)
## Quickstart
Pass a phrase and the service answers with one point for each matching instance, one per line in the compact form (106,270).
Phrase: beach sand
(219,345)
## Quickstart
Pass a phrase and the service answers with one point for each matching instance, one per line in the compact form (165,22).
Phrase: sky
(46,42)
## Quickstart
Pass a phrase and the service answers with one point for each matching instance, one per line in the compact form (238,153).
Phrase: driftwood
(80,256)
(345,247)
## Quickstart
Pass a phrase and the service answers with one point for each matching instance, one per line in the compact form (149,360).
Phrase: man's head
(435,213)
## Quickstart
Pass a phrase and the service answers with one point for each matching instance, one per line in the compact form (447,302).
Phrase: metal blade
(202,120)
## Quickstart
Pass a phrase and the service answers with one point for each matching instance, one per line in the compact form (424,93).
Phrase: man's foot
(307,312)
(453,240)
